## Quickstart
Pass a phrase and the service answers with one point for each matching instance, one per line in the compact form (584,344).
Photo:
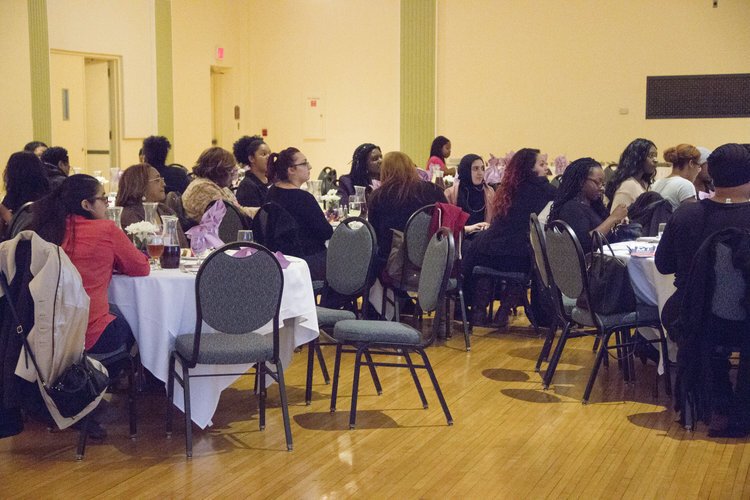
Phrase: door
(68,106)
(98,120)
(223,132)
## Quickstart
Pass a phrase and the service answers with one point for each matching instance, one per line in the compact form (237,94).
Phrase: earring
(143,198)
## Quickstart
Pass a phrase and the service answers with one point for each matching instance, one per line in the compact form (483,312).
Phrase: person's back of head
(55,155)
(36,147)
(155,150)
(25,179)
(729,166)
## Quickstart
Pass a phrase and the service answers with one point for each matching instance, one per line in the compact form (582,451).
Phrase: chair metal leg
(373,373)
(310,362)
(336,366)
(544,353)
(528,311)
(188,420)
(416,379)
(464,320)
(322,362)
(599,355)
(261,372)
(433,378)
(82,436)
(667,364)
(132,393)
(284,406)
(556,356)
(355,386)
(596,344)
(170,394)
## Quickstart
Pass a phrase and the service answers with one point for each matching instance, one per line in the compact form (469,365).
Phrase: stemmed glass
(155,246)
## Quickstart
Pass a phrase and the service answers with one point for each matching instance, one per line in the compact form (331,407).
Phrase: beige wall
(15,79)
(555,74)
(347,52)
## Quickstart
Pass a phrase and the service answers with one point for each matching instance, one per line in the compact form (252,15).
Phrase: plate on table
(649,239)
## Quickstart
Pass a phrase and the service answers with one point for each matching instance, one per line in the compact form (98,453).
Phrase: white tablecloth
(161,306)
(650,286)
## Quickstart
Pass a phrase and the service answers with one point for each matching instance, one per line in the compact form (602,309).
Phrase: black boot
(483,294)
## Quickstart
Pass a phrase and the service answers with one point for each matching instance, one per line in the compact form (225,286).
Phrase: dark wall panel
(698,96)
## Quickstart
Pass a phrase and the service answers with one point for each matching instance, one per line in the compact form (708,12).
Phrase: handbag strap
(19,325)
(598,240)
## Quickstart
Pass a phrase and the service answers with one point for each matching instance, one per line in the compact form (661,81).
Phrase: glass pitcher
(170,259)
(151,215)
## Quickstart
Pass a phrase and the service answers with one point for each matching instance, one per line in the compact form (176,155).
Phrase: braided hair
(571,185)
(359,173)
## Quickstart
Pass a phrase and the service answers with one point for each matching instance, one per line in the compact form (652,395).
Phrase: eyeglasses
(157,179)
(595,181)
(305,164)
(100,198)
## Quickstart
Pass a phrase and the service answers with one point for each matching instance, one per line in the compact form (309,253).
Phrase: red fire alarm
(264,132)
(219,53)
(313,103)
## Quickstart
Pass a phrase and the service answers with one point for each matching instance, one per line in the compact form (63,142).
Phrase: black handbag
(610,290)
(78,386)
(627,232)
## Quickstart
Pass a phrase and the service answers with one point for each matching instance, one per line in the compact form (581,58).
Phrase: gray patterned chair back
(233,221)
(565,259)
(239,295)
(726,301)
(437,264)
(538,246)
(174,201)
(21,220)
(350,256)
(417,234)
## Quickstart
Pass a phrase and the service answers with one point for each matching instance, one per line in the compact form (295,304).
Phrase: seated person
(578,202)
(74,217)
(678,187)
(690,225)
(138,184)
(213,176)
(401,193)
(57,164)
(25,180)
(252,153)
(289,170)
(635,173)
(155,150)
(366,162)
(505,245)
(472,194)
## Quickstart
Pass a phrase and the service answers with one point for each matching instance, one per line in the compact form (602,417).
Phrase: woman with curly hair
(505,244)
(366,162)
(213,176)
(578,202)
(253,153)
(634,174)
(678,187)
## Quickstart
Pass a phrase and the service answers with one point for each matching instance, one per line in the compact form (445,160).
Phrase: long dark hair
(437,146)
(52,211)
(359,174)
(25,180)
(571,184)
(520,168)
(464,179)
(631,165)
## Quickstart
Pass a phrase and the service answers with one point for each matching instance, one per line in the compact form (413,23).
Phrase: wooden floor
(511,439)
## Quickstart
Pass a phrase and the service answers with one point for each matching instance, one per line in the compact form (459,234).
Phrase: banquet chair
(21,220)
(233,221)
(235,296)
(275,228)
(347,278)
(391,338)
(174,201)
(726,312)
(568,269)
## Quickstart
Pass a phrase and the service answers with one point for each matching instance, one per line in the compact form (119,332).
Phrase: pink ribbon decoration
(244,252)
(424,175)
(561,163)
(206,234)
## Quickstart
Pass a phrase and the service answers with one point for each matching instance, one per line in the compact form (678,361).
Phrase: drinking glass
(114,214)
(662,226)
(355,206)
(155,247)
(245,235)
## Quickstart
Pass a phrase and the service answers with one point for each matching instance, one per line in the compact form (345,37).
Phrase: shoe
(95,430)
(501,318)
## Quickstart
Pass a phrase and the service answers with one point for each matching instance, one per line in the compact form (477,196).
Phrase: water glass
(245,235)
(114,214)
(355,207)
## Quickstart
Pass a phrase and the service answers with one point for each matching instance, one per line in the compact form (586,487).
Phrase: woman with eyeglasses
(214,172)
(635,173)
(289,170)
(472,194)
(578,202)
(140,184)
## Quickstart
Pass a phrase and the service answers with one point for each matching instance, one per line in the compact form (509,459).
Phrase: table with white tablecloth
(161,306)
(650,286)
